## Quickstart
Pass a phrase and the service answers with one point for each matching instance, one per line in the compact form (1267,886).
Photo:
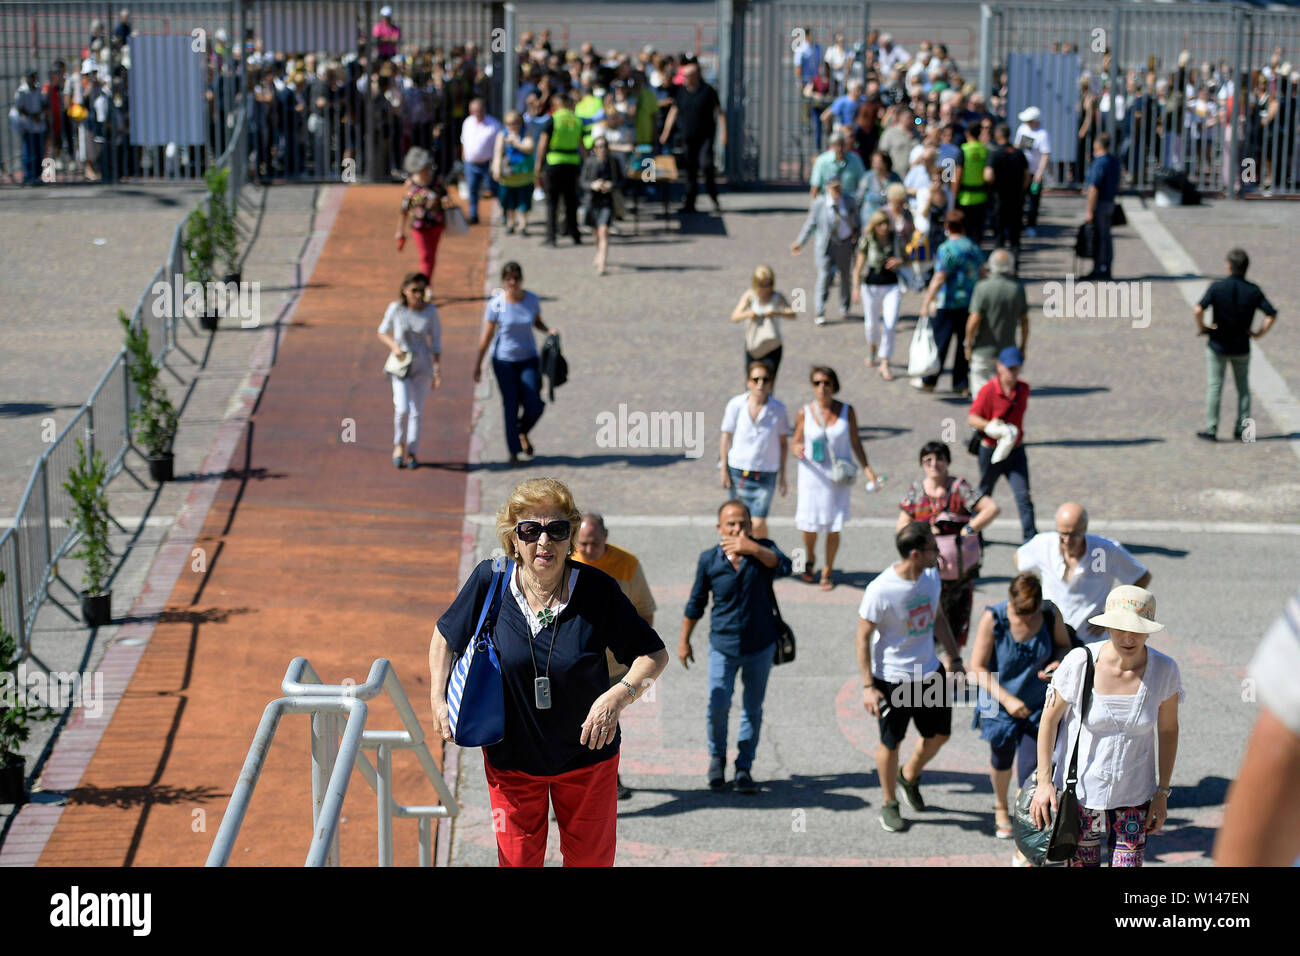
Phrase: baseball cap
(1031,114)
(1011,357)
(385,11)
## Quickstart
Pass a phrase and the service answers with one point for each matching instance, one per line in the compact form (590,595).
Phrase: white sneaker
(820,320)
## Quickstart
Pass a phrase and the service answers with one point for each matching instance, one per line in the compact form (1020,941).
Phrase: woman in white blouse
(755,436)
(411,327)
(1123,775)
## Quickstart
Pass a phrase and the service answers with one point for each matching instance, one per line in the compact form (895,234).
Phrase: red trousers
(586,808)
(426,241)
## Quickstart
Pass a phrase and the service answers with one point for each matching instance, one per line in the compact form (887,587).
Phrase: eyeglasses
(821,383)
(530,531)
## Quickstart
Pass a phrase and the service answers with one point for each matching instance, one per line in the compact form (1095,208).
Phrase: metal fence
(1209,90)
(44,531)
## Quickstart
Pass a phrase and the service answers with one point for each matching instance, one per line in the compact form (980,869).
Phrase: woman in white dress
(826,432)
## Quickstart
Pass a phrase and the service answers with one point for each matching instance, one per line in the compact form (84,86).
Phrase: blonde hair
(763,274)
(513,117)
(535,495)
(895,192)
(876,219)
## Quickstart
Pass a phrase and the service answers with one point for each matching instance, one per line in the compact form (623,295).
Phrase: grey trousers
(838,258)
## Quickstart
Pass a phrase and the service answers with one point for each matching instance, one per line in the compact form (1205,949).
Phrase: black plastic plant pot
(97,609)
(208,321)
(13,776)
(230,277)
(161,468)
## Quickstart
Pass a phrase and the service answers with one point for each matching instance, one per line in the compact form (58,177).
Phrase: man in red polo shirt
(999,412)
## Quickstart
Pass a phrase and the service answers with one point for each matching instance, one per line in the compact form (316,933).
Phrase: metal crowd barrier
(43,532)
(333,757)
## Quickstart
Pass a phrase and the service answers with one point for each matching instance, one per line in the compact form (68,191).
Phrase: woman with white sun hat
(1129,737)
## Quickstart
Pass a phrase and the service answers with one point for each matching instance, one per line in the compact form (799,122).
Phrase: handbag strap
(492,604)
(830,450)
(1072,777)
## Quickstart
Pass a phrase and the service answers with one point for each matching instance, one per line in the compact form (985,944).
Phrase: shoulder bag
(401,367)
(476,704)
(923,357)
(1058,841)
(958,553)
(784,652)
(761,335)
(843,471)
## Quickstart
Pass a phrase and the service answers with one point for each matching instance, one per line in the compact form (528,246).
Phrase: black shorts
(927,703)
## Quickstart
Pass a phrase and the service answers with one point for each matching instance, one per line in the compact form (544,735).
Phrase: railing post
(90,430)
(20,601)
(126,405)
(324,754)
(426,841)
(45,508)
(384,797)
(986,51)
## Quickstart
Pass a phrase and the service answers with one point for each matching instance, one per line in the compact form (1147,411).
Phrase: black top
(697,112)
(1233,302)
(598,616)
(1009,167)
(743,622)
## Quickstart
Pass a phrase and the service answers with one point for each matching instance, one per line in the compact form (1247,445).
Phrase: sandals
(1002,830)
(885,373)
(827,581)
(525,445)
(809,576)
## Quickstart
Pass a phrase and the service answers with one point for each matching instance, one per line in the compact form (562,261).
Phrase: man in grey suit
(834,217)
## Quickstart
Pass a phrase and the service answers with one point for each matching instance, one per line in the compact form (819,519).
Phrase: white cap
(1031,114)
(221,35)
(385,11)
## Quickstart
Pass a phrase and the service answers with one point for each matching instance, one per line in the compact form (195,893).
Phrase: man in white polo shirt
(478,136)
(1079,569)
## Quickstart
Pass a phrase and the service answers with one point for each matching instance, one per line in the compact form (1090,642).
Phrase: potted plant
(15,718)
(199,254)
(221,224)
(85,486)
(156,420)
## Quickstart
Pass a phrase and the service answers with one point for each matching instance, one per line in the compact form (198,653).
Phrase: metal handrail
(333,757)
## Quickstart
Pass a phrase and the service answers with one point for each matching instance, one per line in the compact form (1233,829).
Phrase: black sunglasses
(530,531)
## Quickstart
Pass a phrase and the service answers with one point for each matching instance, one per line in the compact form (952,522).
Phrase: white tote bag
(454,221)
(923,357)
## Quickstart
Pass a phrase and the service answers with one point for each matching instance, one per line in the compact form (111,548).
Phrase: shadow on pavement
(1153,549)
(1094,442)
(589,461)
(798,791)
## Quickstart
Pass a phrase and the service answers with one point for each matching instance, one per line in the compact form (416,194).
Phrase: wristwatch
(1167,791)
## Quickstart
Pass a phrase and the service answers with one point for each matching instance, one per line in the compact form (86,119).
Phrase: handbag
(1118,217)
(784,651)
(761,335)
(843,471)
(401,367)
(923,357)
(1058,841)
(476,703)
(454,221)
(958,553)
(1085,241)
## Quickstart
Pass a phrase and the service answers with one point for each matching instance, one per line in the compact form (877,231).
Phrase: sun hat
(1031,114)
(1129,608)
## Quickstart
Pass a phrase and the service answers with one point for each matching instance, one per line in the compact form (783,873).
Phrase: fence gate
(772,135)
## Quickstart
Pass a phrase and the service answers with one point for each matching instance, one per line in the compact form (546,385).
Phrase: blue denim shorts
(754,488)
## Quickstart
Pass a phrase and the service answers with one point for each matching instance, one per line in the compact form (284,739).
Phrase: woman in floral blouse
(423,202)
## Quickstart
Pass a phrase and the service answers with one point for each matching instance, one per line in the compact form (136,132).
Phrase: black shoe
(623,792)
(549,242)
(473,220)
(717,774)
(744,782)
(1237,433)
(717,206)
(1208,436)
(577,239)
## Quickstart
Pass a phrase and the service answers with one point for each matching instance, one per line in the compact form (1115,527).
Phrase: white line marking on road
(1119,526)
(1265,382)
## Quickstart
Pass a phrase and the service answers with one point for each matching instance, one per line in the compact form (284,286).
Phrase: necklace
(546,615)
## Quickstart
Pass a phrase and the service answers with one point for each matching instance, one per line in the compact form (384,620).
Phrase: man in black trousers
(697,108)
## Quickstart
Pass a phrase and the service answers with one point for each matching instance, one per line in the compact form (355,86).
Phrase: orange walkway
(321,549)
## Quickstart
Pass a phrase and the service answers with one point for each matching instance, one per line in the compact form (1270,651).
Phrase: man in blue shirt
(845,107)
(742,632)
(1103,187)
(958,265)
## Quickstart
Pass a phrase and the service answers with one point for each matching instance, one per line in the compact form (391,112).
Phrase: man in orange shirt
(592,547)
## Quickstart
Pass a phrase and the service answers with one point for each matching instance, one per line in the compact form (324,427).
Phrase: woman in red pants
(423,202)
(554,623)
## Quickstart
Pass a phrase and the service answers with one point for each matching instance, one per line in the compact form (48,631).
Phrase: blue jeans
(476,174)
(1016,467)
(33,154)
(755,491)
(754,669)
(520,384)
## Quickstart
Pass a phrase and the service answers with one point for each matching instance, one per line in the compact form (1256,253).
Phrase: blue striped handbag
(476,701)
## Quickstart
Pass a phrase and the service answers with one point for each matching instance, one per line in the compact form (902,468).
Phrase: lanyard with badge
(542,684)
